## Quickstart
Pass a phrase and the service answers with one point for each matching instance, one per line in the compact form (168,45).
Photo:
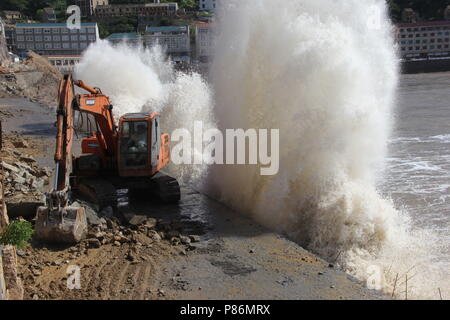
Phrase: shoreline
(235,258)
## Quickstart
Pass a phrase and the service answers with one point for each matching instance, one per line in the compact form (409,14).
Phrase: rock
(20,144)
(117,243)
(10,167)
(175,241)
(194,238)
(27,159)
(185,240)
(154,236)
(94,243)
(142,239)
(150,223)
(92,217)
(137,220)
(35,297)
(21,253)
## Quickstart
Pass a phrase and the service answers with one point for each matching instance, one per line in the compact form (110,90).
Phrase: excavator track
(165,188)
(101,192)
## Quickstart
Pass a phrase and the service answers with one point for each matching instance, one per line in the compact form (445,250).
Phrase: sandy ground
(230,256)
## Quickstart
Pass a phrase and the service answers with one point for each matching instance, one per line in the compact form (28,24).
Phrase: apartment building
(204,41)
(55,38)
(146,9)
(133,39)
(424,39)
(88,7)
(208,5)
(174,39)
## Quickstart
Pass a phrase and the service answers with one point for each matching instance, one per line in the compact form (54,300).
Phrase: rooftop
(12,12)
(167,29)
(46,25)
(137,5)
(117,36)
(424,24)
(205,25)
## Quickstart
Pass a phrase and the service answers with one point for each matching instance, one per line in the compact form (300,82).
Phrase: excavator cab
(143,151)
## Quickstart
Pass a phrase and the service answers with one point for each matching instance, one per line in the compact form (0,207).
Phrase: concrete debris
(35,78)
(13,283)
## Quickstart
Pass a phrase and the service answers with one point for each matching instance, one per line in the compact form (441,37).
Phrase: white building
(65,64)
(204,41)
(174,39)
(424,39)
(55,38)
(208,5)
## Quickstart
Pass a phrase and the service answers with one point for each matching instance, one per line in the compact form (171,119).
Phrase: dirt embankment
(35,78)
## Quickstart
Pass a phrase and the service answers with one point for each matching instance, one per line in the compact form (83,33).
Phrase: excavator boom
(58,222)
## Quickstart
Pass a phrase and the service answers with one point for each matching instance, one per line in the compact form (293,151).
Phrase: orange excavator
(125,155)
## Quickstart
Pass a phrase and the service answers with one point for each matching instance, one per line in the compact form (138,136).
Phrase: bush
(17,233)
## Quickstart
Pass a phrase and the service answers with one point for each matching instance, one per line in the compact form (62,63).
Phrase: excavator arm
(58,222)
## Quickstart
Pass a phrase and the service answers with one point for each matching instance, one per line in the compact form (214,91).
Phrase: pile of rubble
(138,233)
(35,78)
(23,179)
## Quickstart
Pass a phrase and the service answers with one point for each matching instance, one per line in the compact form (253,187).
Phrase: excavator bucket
(67,225)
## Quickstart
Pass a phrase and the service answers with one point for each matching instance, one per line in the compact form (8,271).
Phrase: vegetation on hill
(427,9)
